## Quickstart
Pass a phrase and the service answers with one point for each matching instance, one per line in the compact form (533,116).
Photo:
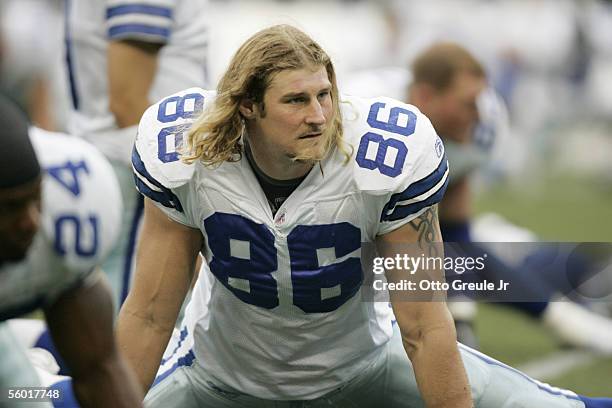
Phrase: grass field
(558,209)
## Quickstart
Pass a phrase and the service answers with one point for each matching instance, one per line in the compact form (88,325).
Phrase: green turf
(510,337)
(594,380)
(563,209)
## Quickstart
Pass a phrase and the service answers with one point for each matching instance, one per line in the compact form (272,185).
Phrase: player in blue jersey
(55,227)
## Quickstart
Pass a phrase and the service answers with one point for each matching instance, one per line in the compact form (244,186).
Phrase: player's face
(454,112)
(297,110)
(19,219)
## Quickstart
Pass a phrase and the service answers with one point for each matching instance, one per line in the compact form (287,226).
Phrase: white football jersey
(81,212)
(280,313)
(180,25)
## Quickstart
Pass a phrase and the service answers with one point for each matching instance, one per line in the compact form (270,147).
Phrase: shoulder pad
(395,145)
(160,135)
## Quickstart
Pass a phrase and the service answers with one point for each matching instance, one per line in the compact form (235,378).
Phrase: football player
(278,183)
(449,85)
(122,55)
(280,219)
(56,224)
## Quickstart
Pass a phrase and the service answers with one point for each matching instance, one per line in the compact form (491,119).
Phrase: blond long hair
(215,136)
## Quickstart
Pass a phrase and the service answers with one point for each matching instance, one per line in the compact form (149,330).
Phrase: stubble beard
(314,149)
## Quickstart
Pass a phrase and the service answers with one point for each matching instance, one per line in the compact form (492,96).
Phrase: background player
(450,86)
(121,56)
(54,229)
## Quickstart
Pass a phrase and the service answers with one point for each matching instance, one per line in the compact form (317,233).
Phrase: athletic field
(558,209)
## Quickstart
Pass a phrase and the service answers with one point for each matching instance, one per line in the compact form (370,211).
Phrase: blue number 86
(167,152)
(245,258)
(392,126)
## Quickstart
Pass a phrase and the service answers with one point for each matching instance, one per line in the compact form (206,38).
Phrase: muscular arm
(131,70)
(428,332)
(165,264)
(81,323)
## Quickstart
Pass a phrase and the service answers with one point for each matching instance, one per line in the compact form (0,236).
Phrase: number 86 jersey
(279,315)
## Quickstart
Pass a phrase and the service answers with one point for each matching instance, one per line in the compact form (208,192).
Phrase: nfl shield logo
(439,147)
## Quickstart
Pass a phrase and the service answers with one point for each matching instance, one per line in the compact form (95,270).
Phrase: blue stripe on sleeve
(418,188)
(142,170)
(152,194)
(138,9)
(121,30)
(166,197)
(403,211)
(421,186)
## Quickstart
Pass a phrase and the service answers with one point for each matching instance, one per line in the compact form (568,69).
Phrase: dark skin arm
(81,324)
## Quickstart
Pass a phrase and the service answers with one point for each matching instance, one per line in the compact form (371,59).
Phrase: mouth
(311,135)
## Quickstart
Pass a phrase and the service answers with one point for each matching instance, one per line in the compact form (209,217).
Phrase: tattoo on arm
(426,225)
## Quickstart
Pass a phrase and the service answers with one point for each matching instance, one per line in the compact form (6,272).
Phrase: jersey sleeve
(159,173)
(421,191)
(400,165)
(149,21)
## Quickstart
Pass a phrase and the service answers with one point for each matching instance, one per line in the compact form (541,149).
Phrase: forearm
(131,71)
(108,384)
(438,367)
(165,262)
(81,322)
(142,341)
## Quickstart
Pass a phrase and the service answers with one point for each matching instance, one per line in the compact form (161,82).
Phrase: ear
(247,108)
(421,94)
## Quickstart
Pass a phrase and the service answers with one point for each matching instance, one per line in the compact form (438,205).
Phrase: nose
(315,115)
